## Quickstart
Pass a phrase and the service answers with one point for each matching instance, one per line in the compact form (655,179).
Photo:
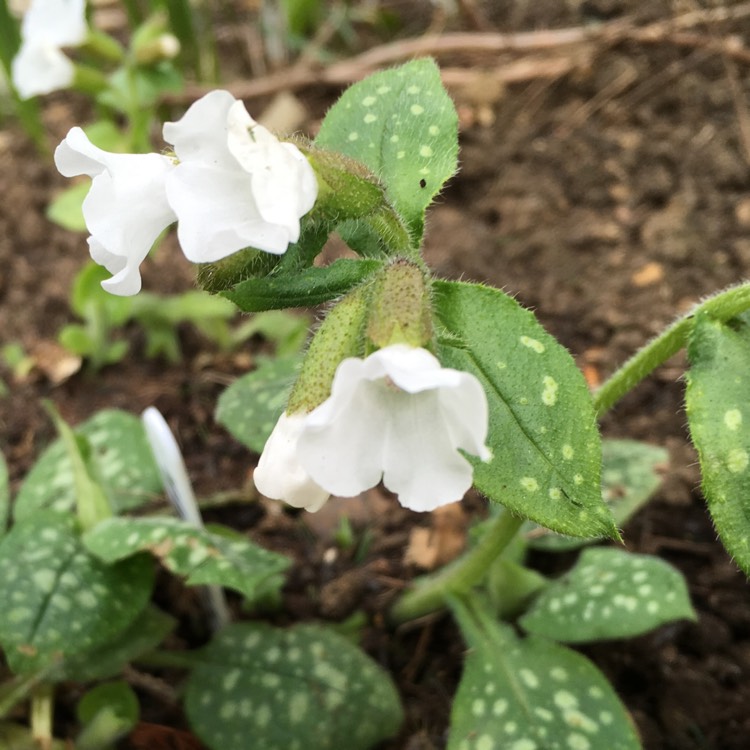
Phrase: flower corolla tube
(230,184)
(41,66)
(397,415)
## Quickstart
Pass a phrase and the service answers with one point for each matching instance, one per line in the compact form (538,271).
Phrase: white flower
(279,474)
(236,185)
(126,208)
(40,65)
(396,415)
(232,185)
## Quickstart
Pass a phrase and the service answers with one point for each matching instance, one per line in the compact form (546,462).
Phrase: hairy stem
(462,575)
(722,306)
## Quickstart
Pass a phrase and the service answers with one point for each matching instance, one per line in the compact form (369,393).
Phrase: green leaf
(4,495)
(56,599)
(302,688)
(610,593)
(531,694)
(286,330)
(108,712)
(718,409)
(403,126)
(144,634)
(66,209)
(251,406)
(631,472)
(200,556)
(120,460)
(546,448)
(306,288)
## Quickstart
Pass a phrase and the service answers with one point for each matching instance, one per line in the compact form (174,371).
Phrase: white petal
(126,276)
(60,23)
(279,475)
(40,69)
(126,208)
(200,135)
(341,444)
(400,415)
(420,461)
(217,214)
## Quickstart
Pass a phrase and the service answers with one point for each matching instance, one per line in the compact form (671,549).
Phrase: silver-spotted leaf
(609,593)
(403,126)
(546,449)
(301,688)
(718,410)
(250,407)
(631,473)
(144,634)
(56,599)
(120,460)
(531,694)
(197,554)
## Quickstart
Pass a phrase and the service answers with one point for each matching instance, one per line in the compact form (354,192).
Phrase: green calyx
(235,268)
(340,336)
(400,308)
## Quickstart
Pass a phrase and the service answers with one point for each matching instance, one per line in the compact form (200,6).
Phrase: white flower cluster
(230,185)
(48,26)
(396,415)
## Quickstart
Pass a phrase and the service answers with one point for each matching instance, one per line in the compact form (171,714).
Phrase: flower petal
(58,23)
(126,208)
(40,69)
(217,214)
(200,135)
(420,461)
(279,475)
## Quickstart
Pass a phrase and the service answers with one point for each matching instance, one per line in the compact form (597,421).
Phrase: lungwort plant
(431,386)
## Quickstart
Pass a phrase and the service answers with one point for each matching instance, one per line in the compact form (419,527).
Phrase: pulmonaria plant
(431,386)
(228,183)
(396,415)
(48,27)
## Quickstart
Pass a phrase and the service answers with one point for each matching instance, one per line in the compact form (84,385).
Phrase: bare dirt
(609,198)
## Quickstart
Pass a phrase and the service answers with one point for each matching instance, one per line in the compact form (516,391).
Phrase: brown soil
(608,199)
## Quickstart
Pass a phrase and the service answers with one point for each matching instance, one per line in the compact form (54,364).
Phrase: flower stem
(42,707)
(459,577)
(722,306)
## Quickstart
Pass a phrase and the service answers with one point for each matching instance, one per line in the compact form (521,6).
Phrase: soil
(608,198)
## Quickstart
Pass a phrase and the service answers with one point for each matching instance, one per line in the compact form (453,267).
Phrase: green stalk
(461,576)
(722,306)
(42,710)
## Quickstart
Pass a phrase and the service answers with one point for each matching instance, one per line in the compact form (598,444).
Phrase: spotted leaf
(144,634)
(531,694)
(59,601)
(301,688)
(718,409)
(631,473)
(119,459)
(250,407)
(403,126)
(546,449)
(198,554)
(610,593)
